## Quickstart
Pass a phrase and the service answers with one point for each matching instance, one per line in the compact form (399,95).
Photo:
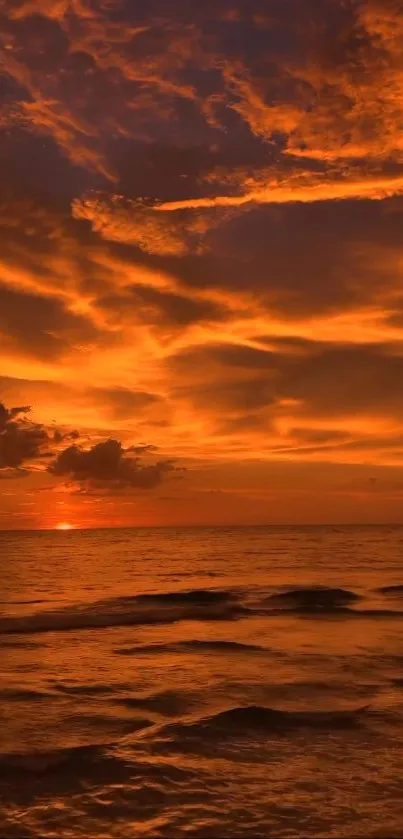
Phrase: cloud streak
(376,189)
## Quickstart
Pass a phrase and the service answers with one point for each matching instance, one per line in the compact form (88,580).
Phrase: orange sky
(201,223)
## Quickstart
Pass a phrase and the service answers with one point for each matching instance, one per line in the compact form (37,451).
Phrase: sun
(64,525)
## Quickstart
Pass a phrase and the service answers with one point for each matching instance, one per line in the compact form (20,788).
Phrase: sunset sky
(201,284)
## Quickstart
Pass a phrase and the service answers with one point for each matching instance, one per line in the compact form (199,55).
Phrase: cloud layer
(201,216)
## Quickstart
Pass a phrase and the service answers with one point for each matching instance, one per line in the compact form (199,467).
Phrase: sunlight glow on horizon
(64,525)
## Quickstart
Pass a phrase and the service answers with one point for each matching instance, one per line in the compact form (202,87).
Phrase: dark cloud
(318,81)
(244,423)
(21,441)
(69,266)
(173,308)
(105,465)
(59,436)
(224,100)
(349,379)
(320,436)
(310,260)
(56,329)
(229,368)
(325,379)
(108,465)
(122,403)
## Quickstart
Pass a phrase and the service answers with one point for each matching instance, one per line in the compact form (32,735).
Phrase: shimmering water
(202,682)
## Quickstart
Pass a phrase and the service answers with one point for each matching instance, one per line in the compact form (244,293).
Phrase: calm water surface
(202,682)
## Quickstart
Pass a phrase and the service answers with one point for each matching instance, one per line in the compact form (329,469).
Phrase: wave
(314,599)
(24,695)
(243,720)
(341,612)
(191,605)
(397,589)
(20,645)
(168,702)
(169,607)
(43,762)
(192,646)
(63,770)
(375,613)
(204,597)
(88,690)
(21,602)
(110,725)
(321,601)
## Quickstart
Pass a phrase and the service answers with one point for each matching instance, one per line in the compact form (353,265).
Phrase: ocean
(202,682)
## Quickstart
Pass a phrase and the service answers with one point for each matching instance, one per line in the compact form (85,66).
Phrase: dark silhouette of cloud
(21,440)
(109,465)
(105,465)
(56,329)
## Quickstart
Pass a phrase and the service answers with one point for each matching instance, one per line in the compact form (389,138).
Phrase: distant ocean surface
(202,682)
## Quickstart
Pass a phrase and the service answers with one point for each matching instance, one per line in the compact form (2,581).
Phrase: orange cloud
(133,222)
(373,188)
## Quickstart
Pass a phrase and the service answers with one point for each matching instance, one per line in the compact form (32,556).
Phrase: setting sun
(64,526)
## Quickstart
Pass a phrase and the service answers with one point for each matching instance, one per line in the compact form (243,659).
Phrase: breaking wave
(243,720)
(197,604)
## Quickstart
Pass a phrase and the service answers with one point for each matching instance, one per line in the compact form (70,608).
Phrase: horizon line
(76,529)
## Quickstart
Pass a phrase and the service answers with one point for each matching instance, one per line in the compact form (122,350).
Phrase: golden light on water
(64,525)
